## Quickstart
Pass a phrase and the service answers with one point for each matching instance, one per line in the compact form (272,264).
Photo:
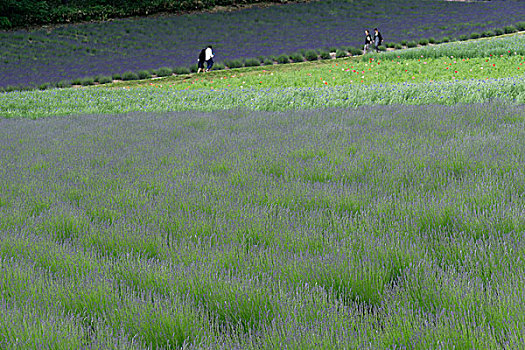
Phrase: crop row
(376,227)
(463,50)
(32,58)
(154,98)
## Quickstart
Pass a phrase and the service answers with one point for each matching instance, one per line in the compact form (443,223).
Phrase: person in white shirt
(209,58)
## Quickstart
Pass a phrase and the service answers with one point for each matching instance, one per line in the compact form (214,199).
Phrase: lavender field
(375,227)
(48,55)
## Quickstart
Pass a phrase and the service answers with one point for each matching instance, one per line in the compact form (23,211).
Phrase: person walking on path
(368,41)
(378,39)
(209,58)
(200,61)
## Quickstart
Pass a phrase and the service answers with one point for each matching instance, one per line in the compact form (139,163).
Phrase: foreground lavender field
(49,55)
(376,227)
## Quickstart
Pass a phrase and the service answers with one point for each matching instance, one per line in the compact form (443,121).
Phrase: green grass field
(297,206)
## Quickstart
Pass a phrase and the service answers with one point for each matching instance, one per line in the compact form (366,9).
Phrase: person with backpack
(209,58)
(378,39)
(200,61)
(368,41)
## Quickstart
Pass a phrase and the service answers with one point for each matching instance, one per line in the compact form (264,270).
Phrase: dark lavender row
(68,52)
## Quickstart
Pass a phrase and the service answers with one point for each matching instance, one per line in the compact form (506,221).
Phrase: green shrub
(143,74)
(76,81)
(354,51)
(297,57)
(499,31)
(233,63)
(411,44)
(218,66)
(404,42)
(341,53)
(431,40)
(87,81)
(390,45)
(116,76)
(487,33)
(332,49)
(445,39)
(5,23)
(130,76)
(520,26)
(64,84)
(311,55)
(423,42)
(381,48)
(252,62)
(463,37)
(267,62)
(282,59)
(164,72)
(475,35)
(97,78)
(25,88)
(510,29)
(398,46)
(10,88)
(44,86)
(194,68)
(325,55)
(181,70)
(105,80)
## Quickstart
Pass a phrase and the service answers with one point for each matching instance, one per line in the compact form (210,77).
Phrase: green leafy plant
(164,72)
(130,76)
(510,29)
(311,55)
(324,55)
(282,59)
(105,80)
(341,53)
(181,70)
(297,57)
(144,74)
(234,63)
(475,35)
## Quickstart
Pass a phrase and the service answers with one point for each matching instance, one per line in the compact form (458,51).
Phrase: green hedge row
(24,13)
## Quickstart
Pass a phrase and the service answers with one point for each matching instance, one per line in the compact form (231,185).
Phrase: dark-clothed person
(378,39)
(368,41)
(200,61)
